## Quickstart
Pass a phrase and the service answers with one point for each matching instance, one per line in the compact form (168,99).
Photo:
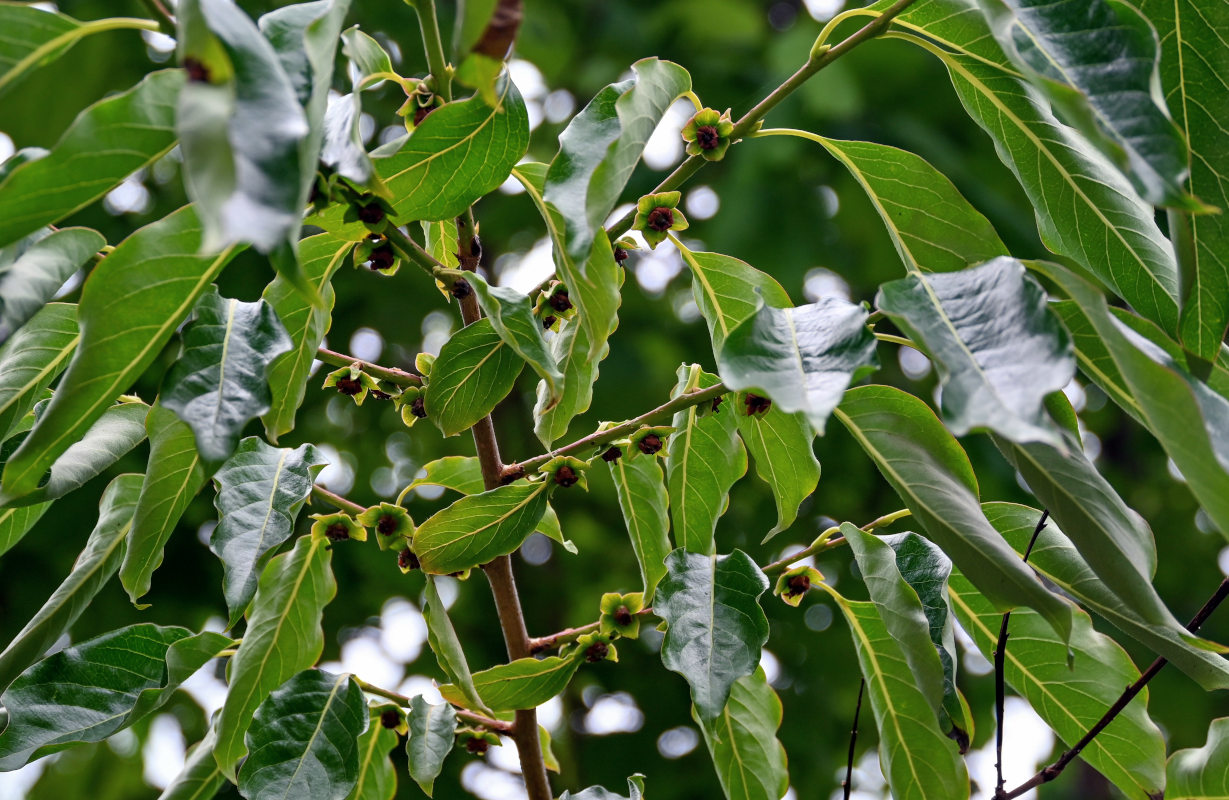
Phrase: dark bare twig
(853,740)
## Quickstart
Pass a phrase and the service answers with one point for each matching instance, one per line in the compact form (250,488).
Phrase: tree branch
(825,541)
(853,740)
(391,374)
(348,506)
(499,726)
(539,644)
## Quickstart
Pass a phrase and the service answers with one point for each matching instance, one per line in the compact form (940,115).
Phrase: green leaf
(1200,773)
(743,743)
(283,636)
(432,730)
(366,54)
(484,34)
(129,308)
(932,226)
(449,653)
(511,315)
(99,560)
(643,501)
(932,475)
(1056,558)
(998,349)
(29,282)
(729,292)
(918,760)
(802,358)
(89,691)
(704,459)
(377,779)
(220,382)
(715,624)
(480,527)
(570,351)
(260,492)
(635,786)
(200,779)
(1096,62)
(1072,695)
(105,144)
(473,372)
(303,739)
(16,522)
(174,475)
(523,683)
(33,359)
(781,445)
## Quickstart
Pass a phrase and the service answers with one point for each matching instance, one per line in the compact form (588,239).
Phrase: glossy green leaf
(704,459)
(715,624)
(473,372)
(105,144)
(643,499)
(365,53)
(781,446)
(37,37)
(283,636)
(99,560)
(570,350)
(89,691)
(743,743)
(918,760)
(432,730)
(33,279)
(511,315)
(1056,558)
(1094,359)
(485,32)
(729,292)
(260,491)
(635,787)
(1201,773)
(802,358)
(1072,695)
(446,645)
(16,522)
(998,349)
(200,778)
(174,475)
(524,683)
(33,359)
(377,779)
(932,475)
(480,527)
(130,306)
(303,740)
(932,226)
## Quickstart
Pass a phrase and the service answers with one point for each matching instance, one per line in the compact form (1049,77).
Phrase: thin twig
(348,506)
(499,726)
(412,250)
(825,541)
(853,740)
(540,644)
(391,374)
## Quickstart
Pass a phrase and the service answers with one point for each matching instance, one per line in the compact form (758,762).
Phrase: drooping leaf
(635,787)
(446,645)
(33,359)
(997,347)
(1201,773)
(523,683)
(260,492)
(473,372)
(704,458)
(743,743)
(802,358)
(729,292)
(130,306)
(38,36)
(105,144)
(570,350)
(643,500)
(377,779)
(200,778)
(432,730)
(29,282)
(781,445)
(932,475)
(480,527)
(303,740)
(511,315)
(16,522)
(89,691)
(715,624)
(99,560)
(283,636)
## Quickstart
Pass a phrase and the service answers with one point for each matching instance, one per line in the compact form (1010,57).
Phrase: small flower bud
(461,289)
(623,616)
(661,219)
(371,213)
(565,476)
(349,387)
(477,746)
(620,255)
(756,404)
(337,532)
(548,321)
(650,444)
(406,560)
(417,408)
(612,454)
(382,257)
(560,302)
(390,719)
(596,652)
(197,72)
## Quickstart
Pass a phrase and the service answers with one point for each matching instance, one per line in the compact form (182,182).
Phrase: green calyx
(657,214)
(793,584)
(707,134)
(393,525)
(352,382)
(337,527)
(621,614)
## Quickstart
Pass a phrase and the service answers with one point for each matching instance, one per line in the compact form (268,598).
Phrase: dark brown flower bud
(461,289)
(477,746)
(560,302)
(417,408)
(387,525)
(707,137)
(407,560)
(650,444)
(197,72)
(596,652)
(510,473)
(661,219)
(390,719)
(620,255)
(613,454)
(382,257)
(798,584)
(337,532)
(349,386)
(565,476)
(623,616)
(371,213)
(547,321)
(756,404)
(421,113)
(717,402)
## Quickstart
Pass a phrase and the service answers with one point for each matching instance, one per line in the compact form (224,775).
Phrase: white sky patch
(524,271)
(16,785)
(363,656)
(820,282)
(529,81)
(366,344)
(824,10)
(550,713)
(338,474)
(158,42)
(677,742)
(656,268)
(771,665)
(130,197)
(165,751)
(505,756)
(665,146)
(436,330)
(702,203)
(7,148)
(558,106)
(421,685)
(915,365)
(1027,742)
(614,713)
(402,630)
(490,783)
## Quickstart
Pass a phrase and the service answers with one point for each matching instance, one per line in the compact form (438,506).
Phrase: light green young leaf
(432,731)
(524,683)
(449,653)
(377,780)
(33,359)
(781,445)
(365,53)
(473,372)
(1201,773)
(511,315)
(743,743)
(643,501)
(480,527)
(30,281)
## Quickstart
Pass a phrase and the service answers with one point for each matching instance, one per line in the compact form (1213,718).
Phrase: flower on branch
(621,614)
(794,584)
(658,213)
(352,382)
(337,527)
(708,134)
(393,526)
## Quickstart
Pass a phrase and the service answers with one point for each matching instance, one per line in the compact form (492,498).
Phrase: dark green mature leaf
(16,522)
(729,292)
(473,372)
(570,350)
(99,560)
(704,459)
(511,315)
(130,306)
(449,653)
(105,144)
(480,527)
(932,474)
(781,445)
(635,788)
(173,477)
(743,743)
(283,636)
(523,683)
(802,358)
(1072,695)
(999,350)
(89,691)
(932,226)
(260,492)
(918,760)
(644,502)
(303,740)
(33,359)
(35,38)
(1056,558)
(377,780)
(1096,61)
(1201,773)
(1194,63)
(432,730)
(716,626)
(1094,359)
(220,382)
(29,282)
(201,778)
